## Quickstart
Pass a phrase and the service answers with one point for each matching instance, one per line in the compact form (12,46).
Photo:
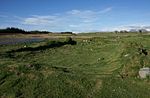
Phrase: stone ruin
(144,72)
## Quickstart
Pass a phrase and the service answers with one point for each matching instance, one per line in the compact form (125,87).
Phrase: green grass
(90,69)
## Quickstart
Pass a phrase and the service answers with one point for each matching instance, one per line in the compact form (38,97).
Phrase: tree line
(13,30)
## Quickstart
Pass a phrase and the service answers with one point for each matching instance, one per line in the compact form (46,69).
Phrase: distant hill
(138,30)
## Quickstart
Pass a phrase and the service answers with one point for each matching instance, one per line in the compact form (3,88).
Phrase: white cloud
(39,20)
(74,12)
(74,16)
(88,14)
(127,27)
(35,21)
(106,10)
(82,13)
(73,26)
(138,27)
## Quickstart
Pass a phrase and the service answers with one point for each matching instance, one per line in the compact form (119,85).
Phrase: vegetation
(13,30)
(93,65)
(38,32)
(66,33)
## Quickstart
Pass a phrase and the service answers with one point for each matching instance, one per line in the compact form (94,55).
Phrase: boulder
(144,72)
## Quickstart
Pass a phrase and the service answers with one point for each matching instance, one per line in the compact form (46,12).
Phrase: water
(11,41)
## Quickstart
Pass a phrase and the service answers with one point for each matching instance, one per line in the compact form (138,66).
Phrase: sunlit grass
(95,67)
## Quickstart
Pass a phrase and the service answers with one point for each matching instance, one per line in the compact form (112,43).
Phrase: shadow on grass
(63,69)
(52,44)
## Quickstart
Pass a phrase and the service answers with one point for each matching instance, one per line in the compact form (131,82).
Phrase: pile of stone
(144,72)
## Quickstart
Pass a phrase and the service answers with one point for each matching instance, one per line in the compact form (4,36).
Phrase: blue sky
(75,15)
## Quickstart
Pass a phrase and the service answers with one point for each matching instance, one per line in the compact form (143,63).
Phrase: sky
(75,15)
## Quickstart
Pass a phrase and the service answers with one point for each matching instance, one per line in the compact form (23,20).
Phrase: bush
(12,30)
(70,41)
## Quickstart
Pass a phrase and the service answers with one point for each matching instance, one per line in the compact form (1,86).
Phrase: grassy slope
(90,69)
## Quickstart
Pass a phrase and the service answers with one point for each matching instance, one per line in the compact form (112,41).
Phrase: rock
(99,59)
(24,46)
(126,55)
(85,41)
(144,72)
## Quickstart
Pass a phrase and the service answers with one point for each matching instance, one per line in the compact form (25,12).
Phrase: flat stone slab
(144,72)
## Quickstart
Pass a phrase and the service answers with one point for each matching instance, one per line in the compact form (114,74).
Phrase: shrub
(70,41)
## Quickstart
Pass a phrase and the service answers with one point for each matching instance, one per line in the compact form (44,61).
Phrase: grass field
(97,66)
